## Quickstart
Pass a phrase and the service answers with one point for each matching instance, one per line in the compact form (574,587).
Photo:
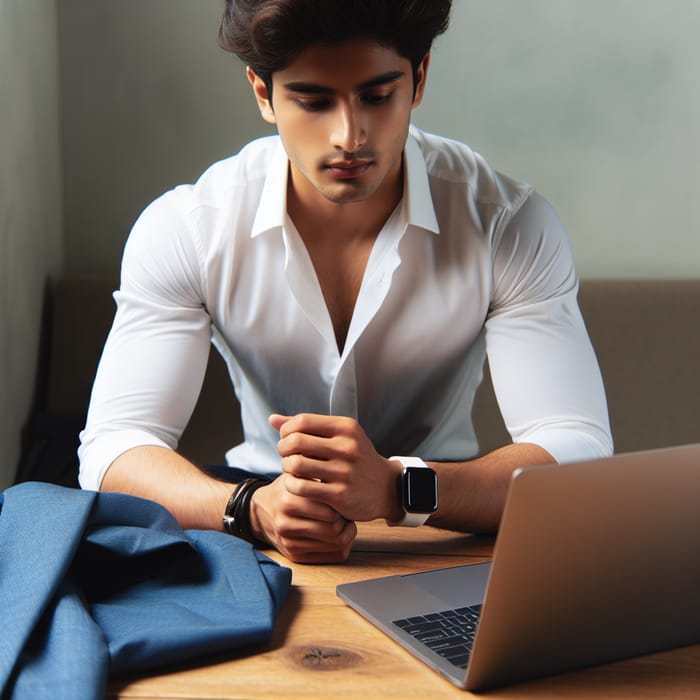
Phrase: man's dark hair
(268,35)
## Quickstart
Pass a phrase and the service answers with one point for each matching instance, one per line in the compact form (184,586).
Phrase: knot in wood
(320,658)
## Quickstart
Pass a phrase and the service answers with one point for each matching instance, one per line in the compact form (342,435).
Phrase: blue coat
(93,584)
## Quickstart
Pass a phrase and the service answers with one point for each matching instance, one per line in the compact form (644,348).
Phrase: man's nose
(349,130)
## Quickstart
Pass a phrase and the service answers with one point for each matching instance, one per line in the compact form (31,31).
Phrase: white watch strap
(411,519)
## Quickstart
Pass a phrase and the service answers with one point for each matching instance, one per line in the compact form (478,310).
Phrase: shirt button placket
(343,396)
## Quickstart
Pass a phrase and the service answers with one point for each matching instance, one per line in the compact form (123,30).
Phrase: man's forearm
(159,474)
(301,529)
(331,460)
(472,494)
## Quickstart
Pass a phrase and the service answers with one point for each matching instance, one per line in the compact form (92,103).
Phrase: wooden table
(323,649)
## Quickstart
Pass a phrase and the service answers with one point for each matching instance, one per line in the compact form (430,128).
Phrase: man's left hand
(331,460)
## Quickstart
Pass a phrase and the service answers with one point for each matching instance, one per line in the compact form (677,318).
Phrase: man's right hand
(305,531)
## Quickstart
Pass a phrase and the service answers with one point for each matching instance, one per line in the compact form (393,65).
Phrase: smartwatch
(418,489)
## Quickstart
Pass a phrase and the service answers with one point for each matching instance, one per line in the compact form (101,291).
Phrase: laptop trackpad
(456,586)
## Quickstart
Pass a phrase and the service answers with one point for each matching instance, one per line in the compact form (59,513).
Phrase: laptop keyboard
(449,633)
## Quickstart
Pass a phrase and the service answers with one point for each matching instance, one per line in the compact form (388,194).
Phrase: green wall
(149,100)
(596,103)
(105,104)
(31,248)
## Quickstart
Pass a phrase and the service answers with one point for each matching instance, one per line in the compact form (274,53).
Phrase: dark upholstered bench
(646,334)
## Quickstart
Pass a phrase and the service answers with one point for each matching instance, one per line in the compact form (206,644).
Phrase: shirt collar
(273,200)
(417,200)
(417,205)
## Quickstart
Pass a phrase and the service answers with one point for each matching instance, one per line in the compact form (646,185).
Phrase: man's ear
(261,95)
(421,79)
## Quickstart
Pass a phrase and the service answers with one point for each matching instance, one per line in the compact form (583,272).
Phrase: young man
(353,272)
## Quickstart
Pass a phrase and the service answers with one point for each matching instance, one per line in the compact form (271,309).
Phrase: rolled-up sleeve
(544,369)
(153,363)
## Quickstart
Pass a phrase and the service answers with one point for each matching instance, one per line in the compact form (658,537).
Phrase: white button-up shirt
(469,262)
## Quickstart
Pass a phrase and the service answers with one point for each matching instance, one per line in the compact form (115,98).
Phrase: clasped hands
(331,477)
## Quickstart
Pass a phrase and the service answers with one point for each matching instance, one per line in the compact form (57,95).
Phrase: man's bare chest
(340,270)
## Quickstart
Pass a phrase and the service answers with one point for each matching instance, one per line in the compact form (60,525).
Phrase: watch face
(420,490)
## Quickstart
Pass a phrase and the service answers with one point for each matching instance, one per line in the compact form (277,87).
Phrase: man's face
(343,113)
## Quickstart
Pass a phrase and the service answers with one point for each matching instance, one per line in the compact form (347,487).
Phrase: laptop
(594,561)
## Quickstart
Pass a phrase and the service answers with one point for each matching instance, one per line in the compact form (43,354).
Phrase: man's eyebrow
(390,77)
(315,89)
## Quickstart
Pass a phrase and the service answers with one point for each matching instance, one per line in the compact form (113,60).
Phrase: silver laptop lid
(594,561)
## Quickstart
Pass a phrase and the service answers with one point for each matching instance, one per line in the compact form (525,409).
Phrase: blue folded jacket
(93,584)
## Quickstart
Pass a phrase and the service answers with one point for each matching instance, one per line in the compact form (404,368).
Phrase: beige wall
(30,206)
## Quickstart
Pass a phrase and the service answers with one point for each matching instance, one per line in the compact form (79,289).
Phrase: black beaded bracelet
(237,513)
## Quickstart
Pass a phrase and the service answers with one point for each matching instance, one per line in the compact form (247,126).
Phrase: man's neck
(339,238)
(316,217)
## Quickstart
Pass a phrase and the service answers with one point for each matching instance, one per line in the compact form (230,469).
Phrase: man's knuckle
(293,443)
(294,463)
(302,421)
(348,426)
(349,449)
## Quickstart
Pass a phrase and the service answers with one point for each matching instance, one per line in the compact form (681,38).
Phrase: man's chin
(349,193)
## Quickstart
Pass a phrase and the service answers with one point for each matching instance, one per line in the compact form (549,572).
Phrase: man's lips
(348,169)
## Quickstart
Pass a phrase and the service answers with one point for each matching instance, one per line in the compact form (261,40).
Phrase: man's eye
(377,99)
(313,105)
